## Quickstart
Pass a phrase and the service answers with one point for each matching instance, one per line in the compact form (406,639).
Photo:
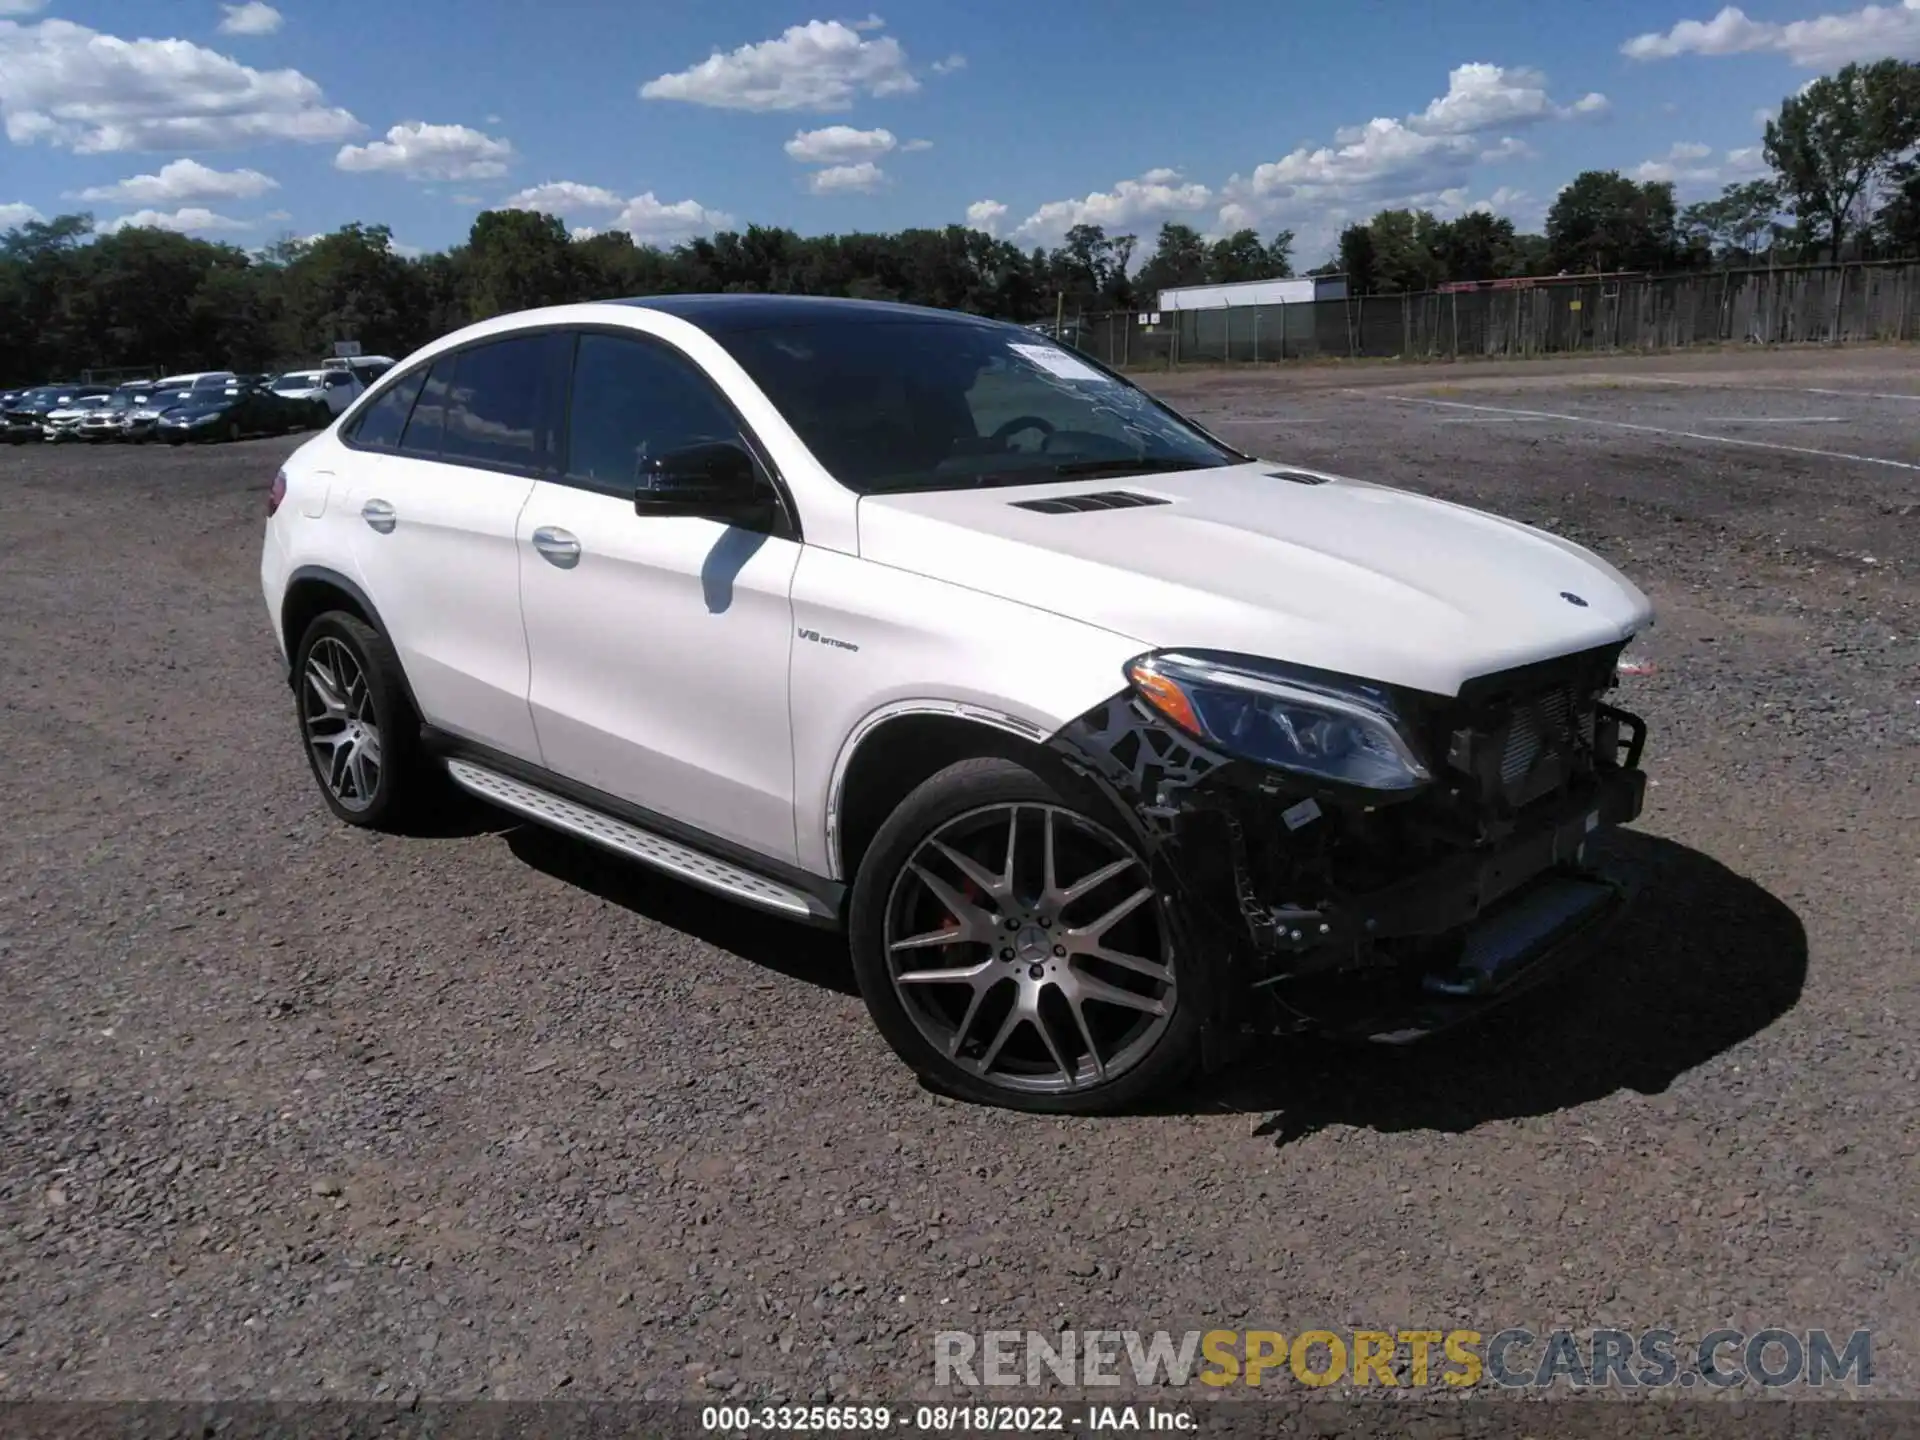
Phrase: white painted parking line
(1649,430)
(1782,389)
(1769,419)
(1487,419)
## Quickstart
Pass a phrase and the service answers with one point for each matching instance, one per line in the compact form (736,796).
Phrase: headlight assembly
(1258,711)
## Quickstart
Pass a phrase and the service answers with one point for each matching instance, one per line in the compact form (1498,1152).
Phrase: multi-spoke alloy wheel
(1027,945)
(341,726)
(359,728)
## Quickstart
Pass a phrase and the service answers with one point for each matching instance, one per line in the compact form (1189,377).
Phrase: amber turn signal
(1165,696)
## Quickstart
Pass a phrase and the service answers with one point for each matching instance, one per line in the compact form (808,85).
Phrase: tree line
(1845,184)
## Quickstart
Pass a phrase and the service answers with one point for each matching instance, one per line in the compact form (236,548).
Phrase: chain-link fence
(1814,304)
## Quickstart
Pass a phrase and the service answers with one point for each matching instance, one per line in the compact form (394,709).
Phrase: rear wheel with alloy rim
(1013,949)
(361,736)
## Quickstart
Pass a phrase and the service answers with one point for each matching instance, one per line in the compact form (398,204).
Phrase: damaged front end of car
(1365,860)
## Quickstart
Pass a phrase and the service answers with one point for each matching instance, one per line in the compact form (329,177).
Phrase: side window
(336,380)
(424,430)
(634,400)
(497,403)
(379,426)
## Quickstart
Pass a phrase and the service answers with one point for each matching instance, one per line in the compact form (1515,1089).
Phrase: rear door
(433,518)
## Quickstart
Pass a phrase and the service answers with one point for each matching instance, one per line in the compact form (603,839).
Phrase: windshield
(935,405)
(290,383)
(126,399)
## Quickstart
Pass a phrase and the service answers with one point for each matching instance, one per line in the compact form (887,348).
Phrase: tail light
(276,492)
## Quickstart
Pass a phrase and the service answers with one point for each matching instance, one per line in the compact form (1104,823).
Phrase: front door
(659,646)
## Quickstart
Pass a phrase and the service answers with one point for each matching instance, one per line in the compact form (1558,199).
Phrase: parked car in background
(234,411)
(142,422)
(108,421)
(364,368)
(26,418)
(63,421)
(336,389)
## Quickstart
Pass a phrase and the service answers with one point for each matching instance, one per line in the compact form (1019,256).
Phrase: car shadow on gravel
(1704,960)
(797,951)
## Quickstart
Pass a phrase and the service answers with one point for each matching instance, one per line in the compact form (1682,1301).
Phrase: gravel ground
(295,1111)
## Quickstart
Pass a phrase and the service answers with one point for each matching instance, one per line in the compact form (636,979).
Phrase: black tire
(973,787)
(394,799)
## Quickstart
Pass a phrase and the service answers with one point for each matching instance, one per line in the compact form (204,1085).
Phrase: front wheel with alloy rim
(360,733)
(1012,947)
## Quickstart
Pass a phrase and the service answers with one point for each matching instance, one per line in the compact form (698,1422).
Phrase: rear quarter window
(381,423)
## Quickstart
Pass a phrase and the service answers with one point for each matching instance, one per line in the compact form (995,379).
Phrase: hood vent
(1299,477)
(1104,500)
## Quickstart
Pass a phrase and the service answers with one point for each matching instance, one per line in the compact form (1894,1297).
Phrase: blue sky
(246,121)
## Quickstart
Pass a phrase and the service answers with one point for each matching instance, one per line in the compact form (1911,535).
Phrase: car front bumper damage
(1441,916)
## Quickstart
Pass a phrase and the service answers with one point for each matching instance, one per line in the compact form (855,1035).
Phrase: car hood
(66,414)
(1342,575)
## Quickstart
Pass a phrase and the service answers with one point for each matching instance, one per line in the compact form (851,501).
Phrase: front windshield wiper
(1141,465)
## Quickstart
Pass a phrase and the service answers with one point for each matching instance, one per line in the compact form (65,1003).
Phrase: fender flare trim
(895,710)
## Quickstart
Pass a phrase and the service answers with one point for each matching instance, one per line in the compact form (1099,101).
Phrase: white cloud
(193,220)
(950,64)
(562,197)
(1482,97)
(1508,148)
(430,152)
(278,215)
(839,145)
(1149,197)
(21,7)
(67,85)
(1422,160)
(822,65)
(178,182)
(644,217)
(861,179)
(1690,165)
(986,215)
(1873,32)
(648,219)
(255,17)
(17,214)
(910,145)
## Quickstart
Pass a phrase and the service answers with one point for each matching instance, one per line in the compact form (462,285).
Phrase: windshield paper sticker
(1058,362)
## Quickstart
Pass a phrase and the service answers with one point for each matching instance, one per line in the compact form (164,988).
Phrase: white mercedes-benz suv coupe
(1111,748)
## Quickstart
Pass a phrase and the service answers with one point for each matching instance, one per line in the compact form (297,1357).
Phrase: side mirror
(714,481)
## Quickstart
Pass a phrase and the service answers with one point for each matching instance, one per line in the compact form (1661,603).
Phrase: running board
(681,861)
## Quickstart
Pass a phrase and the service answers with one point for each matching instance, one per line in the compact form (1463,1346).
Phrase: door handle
(557,546)
(380,515)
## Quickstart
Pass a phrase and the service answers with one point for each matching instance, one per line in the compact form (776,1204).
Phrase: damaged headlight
(1262,712)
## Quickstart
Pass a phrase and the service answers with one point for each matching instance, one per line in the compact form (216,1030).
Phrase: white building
(1255,292)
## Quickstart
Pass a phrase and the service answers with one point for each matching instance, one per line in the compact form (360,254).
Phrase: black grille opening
(1104,500)
(1299,477)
